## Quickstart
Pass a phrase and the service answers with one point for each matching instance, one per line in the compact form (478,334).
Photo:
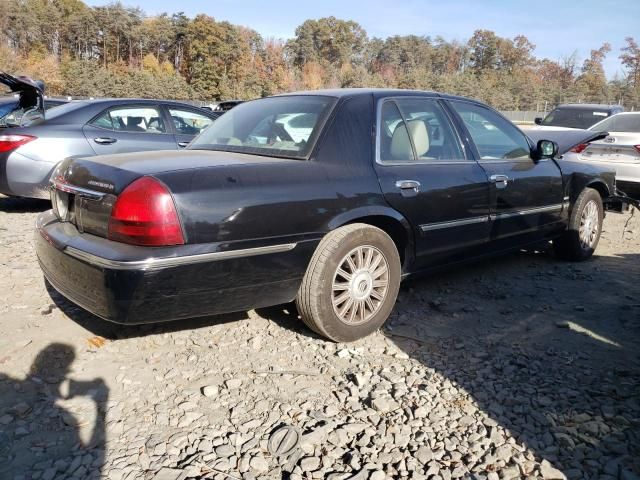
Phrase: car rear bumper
(21,176)
(132,285)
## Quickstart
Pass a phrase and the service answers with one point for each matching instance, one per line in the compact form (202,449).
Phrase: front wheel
(585,225)
(351,283)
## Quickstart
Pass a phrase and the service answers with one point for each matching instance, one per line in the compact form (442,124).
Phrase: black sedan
(28,154)
(330,198)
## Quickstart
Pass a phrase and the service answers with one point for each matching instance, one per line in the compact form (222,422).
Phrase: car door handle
(183,144)
(501,181)
(105,140)
(408,185)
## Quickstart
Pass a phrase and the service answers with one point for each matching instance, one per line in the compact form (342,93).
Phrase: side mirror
(546,149)
(537,120)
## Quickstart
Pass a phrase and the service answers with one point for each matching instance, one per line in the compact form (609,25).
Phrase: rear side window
(416,129)
(574,117)
(494,137)
(131,119)
(629,122)
(188,122)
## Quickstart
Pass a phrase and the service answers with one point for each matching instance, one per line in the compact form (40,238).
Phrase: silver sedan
(28,154)
(620,150)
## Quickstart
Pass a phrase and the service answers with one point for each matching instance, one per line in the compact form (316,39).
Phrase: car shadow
(553,362)
(53,425)
(23,205)
(284,315)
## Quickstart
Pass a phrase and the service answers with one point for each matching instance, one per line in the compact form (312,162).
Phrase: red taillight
(144,214)
(637,147)
(11,142)
(579,148)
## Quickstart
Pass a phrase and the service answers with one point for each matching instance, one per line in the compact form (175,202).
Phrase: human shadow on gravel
(37,434)
(23,205)
(548,351)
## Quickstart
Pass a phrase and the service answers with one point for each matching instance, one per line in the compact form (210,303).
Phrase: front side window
(131,119)
(188,122)
(495,137)
(416,129)
(284,126)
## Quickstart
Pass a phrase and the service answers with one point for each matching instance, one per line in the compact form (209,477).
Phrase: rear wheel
(585,225)
(351,283)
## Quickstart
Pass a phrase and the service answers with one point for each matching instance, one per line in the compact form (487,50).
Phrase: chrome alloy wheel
(589,225)
(360,285)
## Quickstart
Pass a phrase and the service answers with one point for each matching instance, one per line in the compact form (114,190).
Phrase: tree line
(116,50)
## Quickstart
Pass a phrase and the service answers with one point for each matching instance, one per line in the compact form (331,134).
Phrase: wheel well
(391,227)
(601,188)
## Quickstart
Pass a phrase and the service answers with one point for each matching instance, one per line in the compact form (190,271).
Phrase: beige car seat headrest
(400,144)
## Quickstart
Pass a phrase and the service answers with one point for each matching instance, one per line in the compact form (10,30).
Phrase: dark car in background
(9,103)
(223,106)
(330,198)
(577,115)
(29,154)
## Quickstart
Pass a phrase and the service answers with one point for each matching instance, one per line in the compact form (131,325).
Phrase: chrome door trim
(528,211)
(167,262)
(454,223)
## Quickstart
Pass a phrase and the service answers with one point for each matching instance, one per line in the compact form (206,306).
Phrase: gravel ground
(518,367)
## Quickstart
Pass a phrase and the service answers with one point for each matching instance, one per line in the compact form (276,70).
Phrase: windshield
(573,117)
(276,126)
(619,123)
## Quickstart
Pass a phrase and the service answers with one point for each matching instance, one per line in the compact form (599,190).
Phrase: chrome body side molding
(529,211)
(453,223)
(494,216)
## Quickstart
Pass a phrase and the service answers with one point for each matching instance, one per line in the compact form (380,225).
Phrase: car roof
(379,92)
(139,101)
(588,106)
(625,113)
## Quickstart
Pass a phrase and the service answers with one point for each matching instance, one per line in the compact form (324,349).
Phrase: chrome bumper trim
(167,262)
(454,223)
(85,192)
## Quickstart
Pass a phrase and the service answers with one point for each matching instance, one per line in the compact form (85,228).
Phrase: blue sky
(557,27)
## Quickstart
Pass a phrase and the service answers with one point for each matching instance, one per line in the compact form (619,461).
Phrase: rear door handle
(408,185)
(183,144)
(501,181)
(105,140)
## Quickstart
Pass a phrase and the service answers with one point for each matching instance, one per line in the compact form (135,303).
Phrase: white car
(620,150)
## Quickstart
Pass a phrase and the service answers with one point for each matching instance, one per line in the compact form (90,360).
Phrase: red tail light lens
(11,142)
(144,214)
(579,148)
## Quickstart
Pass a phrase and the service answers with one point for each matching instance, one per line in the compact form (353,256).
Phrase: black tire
(315,298)
(570,246)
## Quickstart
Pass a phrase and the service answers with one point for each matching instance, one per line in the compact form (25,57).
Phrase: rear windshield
(54,112)
(619,123)
(285,126)
(574,117)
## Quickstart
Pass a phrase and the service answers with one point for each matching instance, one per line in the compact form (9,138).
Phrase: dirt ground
(542,356)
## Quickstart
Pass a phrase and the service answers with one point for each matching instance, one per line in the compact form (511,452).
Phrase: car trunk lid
(85,189)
